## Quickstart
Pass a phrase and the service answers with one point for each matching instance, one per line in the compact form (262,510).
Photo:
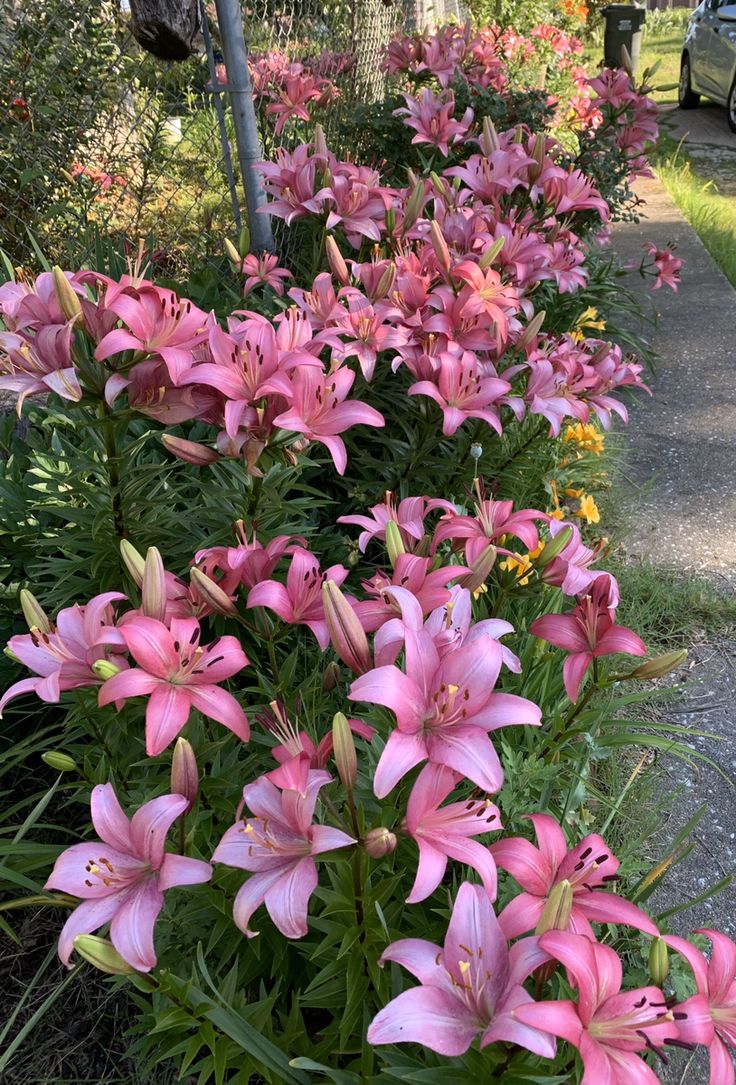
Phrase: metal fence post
(244,120)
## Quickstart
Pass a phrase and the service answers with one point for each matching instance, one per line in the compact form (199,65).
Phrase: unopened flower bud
(386,282)
(331,676)
(67,297)
(554,547)
(346,633)
(319,142)
(134,561)
(379,842)
(491,253)
(414,204)
(336,261)
(489,137)
(480,569)
(626,62)
(104,669)
(153,588)
(346,759)
(531,331)
(189,451)
(211,593)
(394,542)
(12,656)
(102,954)
(184,772)
(232,253)
(659,962)
(661,665)
(440,184)
(476,451)
(390,220)
(538,155)
(440,246)
(556,912)
(34,613)
(244,241)
(62,762)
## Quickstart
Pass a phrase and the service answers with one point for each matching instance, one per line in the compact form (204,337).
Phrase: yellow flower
(520,564)
(587,321)
(588,510)
(480,591)
(586,436)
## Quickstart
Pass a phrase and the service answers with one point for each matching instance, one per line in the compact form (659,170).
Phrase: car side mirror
(727,13)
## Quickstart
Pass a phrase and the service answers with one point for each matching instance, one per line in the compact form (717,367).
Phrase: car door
(702,31)
(722,53)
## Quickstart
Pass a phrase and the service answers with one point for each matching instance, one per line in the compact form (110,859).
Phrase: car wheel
(688,99)
(731,107)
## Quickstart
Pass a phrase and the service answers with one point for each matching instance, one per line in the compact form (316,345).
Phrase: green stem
(182,832)
(113,474)
(274,664)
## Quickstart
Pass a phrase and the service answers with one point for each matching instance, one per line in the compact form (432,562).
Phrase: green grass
(665,49)
(711,215)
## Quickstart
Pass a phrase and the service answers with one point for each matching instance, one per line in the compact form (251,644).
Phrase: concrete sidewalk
(682,452)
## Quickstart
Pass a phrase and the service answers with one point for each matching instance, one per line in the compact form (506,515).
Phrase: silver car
(708,64)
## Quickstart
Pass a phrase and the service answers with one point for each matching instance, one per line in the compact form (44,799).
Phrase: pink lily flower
(62,655)
(263,270)
(709,1017)
(409,514)
(443,832)
(607,1025)
(299,602)
(451,625)
(570,569)
(122,877)
(297,90)
(587,632)
(444,709)
(667,265)
(492,520)
(462,392)
(431,117)
(158,322)
(413,577)
(177,675)
(359,208)
(277,847)
(42,364)
(318,408)
(588,867)
(365,335)
(249,562)
(294,744)
(292,182)
(471,985)
(486,295)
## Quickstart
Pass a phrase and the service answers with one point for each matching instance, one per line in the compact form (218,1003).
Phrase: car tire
(731,106)
(687,97)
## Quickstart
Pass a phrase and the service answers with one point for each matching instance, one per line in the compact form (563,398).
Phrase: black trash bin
(623,27)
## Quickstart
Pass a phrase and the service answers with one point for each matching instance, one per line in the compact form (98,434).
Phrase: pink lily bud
(479,569)
(390,218)
(440,247)
(556,912)
(489,137)
(102,954)
(491,253)
(346,633)
(153,589)
(319,142)
(184,772)
(440,184)
(659,962)
(189,451)
(335,259)
(626,62)
(34,613)
(211,593)
(538,155)
(386,282)
(331,676)
(346,759)
(379,842)
(554,547)
(661,665)
(104,669)
(531,331)
(394,542)
(67,298)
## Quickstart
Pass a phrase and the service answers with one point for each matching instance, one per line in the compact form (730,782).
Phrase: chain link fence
(100,142)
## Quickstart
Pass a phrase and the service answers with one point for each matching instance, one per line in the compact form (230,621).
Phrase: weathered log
(166,28)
